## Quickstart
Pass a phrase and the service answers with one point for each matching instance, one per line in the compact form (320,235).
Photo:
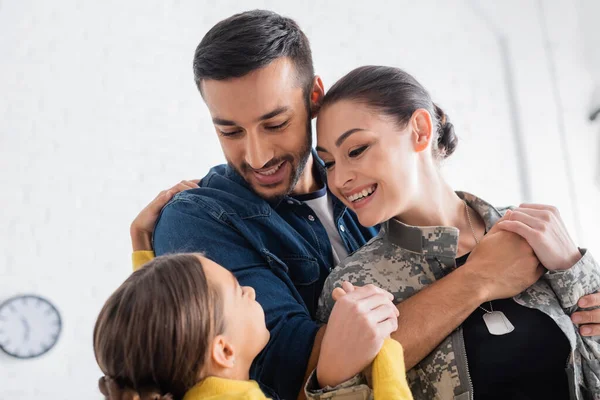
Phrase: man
(268,217)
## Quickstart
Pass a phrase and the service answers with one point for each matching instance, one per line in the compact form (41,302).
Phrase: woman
(382,140)
(181,327)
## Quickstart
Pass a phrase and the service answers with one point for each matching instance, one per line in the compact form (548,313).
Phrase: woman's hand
(545,232)
(142,227)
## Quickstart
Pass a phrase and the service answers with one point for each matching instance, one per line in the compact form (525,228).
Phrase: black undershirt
(527,364)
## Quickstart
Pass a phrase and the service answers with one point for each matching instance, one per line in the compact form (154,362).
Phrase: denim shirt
(279,248)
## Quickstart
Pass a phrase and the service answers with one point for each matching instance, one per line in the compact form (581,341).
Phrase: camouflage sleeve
(325,300)
(503,210)
(569,286)
(355,388)
(581,279)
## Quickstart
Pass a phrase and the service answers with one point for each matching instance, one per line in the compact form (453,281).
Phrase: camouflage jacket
(404,259)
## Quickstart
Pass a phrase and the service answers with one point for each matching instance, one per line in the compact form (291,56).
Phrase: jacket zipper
(463,346)
(464,355)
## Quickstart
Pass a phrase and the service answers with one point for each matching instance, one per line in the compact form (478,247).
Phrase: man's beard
(301,158)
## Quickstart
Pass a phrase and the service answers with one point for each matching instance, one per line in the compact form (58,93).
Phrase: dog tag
(497,323)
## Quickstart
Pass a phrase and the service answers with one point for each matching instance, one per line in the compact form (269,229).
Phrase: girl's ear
(223,352)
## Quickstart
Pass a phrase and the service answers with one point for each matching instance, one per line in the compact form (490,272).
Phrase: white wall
(98,112)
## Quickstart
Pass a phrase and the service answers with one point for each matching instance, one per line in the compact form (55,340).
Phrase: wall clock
(29,326)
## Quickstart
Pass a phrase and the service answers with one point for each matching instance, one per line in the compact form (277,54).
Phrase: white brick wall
(98,112)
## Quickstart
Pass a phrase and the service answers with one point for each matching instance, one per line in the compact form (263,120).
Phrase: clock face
(29,326)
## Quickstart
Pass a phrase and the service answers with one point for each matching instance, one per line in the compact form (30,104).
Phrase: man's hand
(504,264)
(545,232)
(361,319)
(588,320)
(142,227)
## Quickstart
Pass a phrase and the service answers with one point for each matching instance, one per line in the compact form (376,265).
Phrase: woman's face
(371,163)
(243,315)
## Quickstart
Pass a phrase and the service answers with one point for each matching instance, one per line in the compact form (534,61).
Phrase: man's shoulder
(217,218)
(220,193)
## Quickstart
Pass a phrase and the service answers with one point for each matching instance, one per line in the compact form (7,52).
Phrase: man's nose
(259,151)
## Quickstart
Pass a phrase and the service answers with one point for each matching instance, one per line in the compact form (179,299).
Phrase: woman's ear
(422,129)
(223,352)
(316,96)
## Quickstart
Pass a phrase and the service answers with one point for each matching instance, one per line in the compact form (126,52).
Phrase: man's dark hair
(251,40)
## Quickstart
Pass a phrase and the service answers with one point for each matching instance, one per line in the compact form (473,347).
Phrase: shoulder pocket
(302,270)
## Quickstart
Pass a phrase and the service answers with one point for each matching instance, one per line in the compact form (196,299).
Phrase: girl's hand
(142,226)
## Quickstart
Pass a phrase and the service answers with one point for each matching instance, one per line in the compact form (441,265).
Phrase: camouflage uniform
(404,259)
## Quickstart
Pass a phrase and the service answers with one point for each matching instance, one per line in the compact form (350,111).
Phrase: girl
(181,327)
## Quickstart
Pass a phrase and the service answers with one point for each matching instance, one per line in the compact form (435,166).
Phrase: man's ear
(316,96)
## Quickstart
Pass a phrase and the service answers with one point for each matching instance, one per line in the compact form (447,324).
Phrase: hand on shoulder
(142,227)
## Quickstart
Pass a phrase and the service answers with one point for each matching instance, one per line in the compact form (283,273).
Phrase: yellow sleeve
(141,257)
(389,374)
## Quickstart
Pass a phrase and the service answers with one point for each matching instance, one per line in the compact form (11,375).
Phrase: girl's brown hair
(153,334)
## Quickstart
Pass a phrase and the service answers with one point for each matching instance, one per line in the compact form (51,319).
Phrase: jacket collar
(437,241)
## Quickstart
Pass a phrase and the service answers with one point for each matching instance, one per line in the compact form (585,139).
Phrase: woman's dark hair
(152,337)
(397,94)
(251,40)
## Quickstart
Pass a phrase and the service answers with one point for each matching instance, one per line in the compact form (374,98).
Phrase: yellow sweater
(213,388)
(388,373)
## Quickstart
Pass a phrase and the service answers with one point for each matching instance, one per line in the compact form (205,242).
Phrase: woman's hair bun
(447,139)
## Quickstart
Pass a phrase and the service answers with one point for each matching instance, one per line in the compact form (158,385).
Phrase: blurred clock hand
(27,329)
